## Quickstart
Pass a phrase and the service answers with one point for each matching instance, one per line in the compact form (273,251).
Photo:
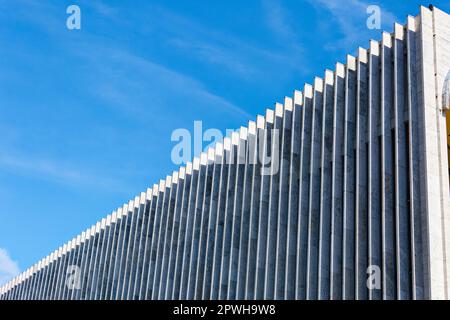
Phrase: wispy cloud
(129,80)
(233,53)
(8,268)
(104,9)
(56,171)
(143,88)
(126,73)
(277,18)
(280,23)
(39,13)
(177,81)
(350,18)
(216,55)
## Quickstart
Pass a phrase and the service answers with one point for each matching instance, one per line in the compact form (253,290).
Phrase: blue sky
(86,115)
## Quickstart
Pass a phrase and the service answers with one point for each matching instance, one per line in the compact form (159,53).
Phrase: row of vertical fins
(342,201)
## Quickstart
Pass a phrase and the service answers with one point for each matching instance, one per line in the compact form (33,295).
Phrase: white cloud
(178,82)
(8,268)
(350,18)
(279,21)
(56,171)
(220,48)
(277,18)
(129,81)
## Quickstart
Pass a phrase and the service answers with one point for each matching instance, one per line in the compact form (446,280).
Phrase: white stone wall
(434,28)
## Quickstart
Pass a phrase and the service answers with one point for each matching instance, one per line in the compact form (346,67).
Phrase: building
(344,184)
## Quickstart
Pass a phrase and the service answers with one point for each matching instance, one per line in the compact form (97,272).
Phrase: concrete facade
(344,179)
